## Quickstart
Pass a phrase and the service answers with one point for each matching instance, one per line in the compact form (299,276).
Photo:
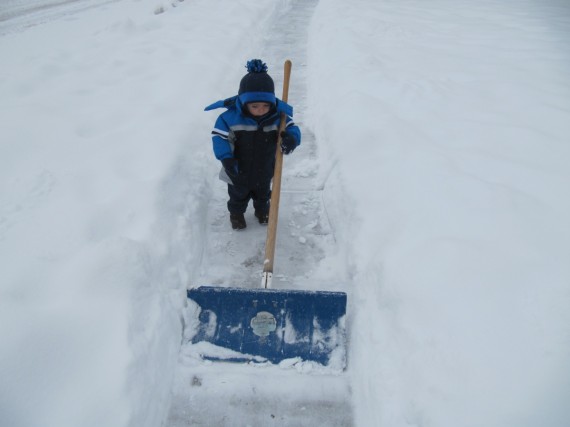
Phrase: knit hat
(256,85)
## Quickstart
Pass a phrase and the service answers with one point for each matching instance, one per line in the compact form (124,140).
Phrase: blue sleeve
(294,130)
(221,145)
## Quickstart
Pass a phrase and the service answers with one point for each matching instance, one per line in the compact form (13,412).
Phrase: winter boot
(263,218)
(238,221)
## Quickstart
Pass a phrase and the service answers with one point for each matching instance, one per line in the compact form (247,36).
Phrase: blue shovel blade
(272,324)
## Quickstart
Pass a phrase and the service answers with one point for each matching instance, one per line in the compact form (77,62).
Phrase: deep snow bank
(446,125)
(102,178)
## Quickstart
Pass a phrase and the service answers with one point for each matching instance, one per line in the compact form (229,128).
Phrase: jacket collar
(234,103)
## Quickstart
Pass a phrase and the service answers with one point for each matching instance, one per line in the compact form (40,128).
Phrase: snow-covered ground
(450,132)
(431,186)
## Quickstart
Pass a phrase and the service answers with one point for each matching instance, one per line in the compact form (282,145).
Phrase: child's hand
(288,142)
(231,166)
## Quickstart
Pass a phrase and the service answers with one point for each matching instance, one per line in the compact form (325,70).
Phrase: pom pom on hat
(256,66)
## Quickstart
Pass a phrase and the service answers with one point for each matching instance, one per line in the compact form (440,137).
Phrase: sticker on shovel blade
(263,324)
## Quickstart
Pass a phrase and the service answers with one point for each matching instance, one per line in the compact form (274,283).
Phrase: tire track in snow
(17,15)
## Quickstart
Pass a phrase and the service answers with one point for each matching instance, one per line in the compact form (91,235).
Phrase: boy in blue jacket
(245,139)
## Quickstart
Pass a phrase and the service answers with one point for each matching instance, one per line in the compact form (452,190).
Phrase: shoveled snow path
(295,394)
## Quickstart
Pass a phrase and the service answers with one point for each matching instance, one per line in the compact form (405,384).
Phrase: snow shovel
(270,324)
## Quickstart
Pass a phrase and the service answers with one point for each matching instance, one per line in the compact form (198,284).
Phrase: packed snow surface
(431,186)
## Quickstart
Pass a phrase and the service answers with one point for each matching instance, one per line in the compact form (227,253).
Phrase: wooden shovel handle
(276,187)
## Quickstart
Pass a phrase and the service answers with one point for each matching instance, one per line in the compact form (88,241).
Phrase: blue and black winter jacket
(250,140)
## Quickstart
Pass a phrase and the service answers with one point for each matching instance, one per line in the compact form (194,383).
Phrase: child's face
(258,109)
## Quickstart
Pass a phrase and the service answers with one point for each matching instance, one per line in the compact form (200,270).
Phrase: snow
(431,186)
(459,120)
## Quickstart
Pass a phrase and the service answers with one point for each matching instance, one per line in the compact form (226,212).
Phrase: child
(245,139)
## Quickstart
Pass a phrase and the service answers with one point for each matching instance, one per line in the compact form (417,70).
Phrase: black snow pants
(240,196)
